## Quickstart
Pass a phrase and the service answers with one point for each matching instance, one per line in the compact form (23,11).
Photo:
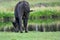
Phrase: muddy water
(34,27)
(42,28)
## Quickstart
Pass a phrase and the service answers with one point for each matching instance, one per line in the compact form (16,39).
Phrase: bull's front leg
(25,21)
(15,26)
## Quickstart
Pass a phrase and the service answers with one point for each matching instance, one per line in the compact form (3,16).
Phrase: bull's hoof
(21,32)
(26,31)
(16,31)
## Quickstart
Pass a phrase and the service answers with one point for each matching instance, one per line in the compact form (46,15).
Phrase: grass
(12,3)
(48,11)
(3,25)
(39,21)
(7,10)
(42,11)
(6,14)
(30,36)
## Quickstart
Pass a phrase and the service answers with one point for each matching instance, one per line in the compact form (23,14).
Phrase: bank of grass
(6,14)
(30,36)
(5,25)
(37,11)
(43,11)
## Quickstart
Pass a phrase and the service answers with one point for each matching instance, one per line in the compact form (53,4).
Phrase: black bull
(22,10)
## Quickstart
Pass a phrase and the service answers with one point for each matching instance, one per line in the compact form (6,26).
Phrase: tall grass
(34,16)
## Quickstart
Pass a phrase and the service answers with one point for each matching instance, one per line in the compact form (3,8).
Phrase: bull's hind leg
(25,24)
(25,21)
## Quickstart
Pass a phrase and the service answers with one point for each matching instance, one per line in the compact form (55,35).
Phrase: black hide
(21,12)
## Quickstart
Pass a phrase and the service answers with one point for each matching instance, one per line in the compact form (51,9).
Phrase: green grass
(30,36)
(7,24)
(6,14)
(48,11)
(40,21)
(36,13)
(44,12)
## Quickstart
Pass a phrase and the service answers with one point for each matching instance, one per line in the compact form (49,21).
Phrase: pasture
(45,13)
(30,36)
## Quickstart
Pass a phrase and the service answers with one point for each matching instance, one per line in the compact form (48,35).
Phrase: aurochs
(21,12)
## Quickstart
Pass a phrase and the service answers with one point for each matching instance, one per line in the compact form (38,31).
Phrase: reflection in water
(35,24)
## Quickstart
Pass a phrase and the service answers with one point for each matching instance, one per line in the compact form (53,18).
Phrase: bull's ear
(31,10)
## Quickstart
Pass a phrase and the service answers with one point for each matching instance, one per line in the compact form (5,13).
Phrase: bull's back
(23,5)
